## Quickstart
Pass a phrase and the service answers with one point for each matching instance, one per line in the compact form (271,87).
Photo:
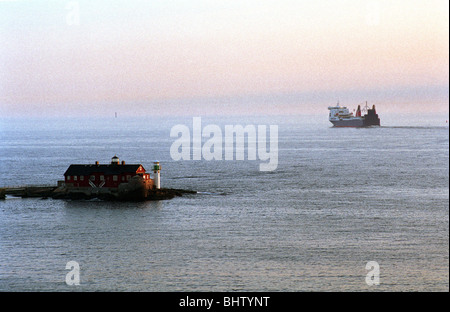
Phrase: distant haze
(95,58)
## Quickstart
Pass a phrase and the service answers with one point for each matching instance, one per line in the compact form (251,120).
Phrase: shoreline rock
(132,194)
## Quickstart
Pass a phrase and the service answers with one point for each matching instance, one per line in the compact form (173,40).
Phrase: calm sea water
(338,199)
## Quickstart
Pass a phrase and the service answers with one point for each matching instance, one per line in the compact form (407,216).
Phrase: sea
(345,210)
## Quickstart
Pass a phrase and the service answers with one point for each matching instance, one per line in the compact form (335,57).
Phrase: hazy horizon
(94,58)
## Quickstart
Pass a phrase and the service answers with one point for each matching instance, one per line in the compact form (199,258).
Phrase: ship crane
(364,108)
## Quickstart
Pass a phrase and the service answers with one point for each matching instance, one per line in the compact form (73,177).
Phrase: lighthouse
(157,175)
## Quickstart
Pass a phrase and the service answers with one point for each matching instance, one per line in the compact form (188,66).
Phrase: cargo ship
(340,116)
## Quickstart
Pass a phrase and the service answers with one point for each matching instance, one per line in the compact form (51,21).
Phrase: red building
(108,176)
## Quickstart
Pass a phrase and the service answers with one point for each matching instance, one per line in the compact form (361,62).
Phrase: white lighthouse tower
(157,174)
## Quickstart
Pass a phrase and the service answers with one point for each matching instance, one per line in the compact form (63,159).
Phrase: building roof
(110,169)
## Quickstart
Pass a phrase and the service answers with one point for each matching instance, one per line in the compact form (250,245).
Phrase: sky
(207,57)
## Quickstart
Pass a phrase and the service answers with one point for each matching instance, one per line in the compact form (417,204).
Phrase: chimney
(96,163)
(115,160)
(123,162)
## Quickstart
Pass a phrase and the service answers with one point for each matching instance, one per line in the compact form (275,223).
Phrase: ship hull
(348,123)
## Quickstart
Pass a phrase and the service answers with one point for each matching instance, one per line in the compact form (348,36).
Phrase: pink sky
(207,57)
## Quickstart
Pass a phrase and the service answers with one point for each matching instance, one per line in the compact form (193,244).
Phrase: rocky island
(116,181)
